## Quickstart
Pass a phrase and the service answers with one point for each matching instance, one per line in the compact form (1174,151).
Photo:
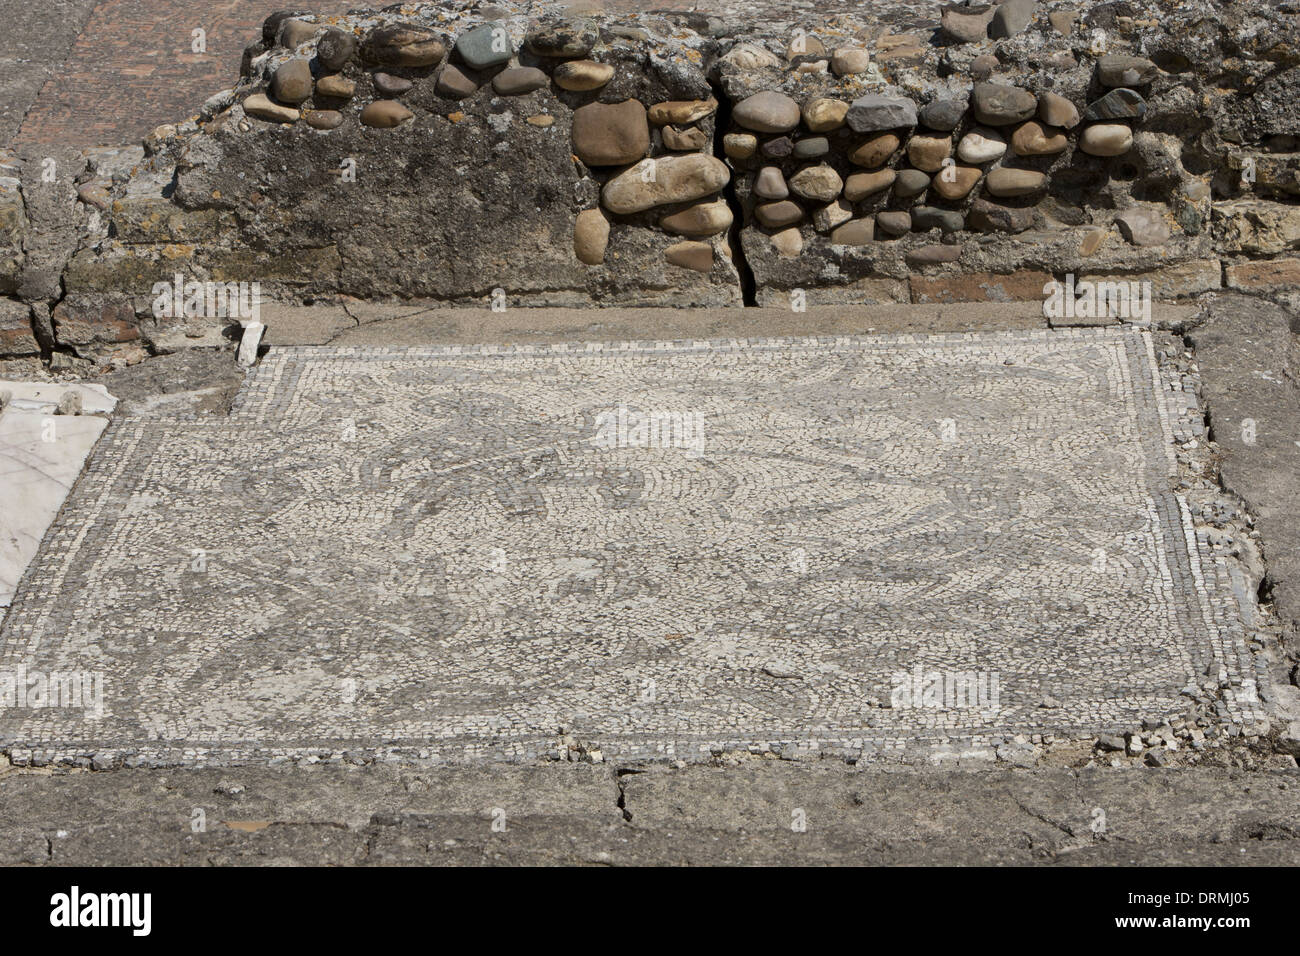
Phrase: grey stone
(874,112)
(335,49)
(943,114)
(778,148)
(812,147)
(1143,226)
(487,44)
(1122,70)
(910,182)
(1117,104)
(990,217)
(1011,17)
(996,104)
(565,39)
(965,23)
(390,85)
(925,218)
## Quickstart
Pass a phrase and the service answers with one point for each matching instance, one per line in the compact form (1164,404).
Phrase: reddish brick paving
(132,68)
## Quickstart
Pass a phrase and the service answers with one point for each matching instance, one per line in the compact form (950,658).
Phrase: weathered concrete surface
(1249,355)
(580,814)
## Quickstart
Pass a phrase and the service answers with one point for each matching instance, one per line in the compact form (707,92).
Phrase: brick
(979,287)
(93,320)
(16,338)
(1272,276)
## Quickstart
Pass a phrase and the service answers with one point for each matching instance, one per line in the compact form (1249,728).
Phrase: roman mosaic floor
(857,545)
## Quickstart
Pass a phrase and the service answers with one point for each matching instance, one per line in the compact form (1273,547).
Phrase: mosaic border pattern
(1213,620)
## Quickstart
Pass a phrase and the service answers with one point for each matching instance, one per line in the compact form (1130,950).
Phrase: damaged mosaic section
(663,549)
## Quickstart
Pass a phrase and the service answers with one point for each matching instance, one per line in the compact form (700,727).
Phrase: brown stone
(874,151)
(323,119)
(927,153)
(895,223)
(1106,139)
(770,184)
(403,46)
(519,80)
(740,145)
(261,106)
(1063,21)
(983,66)
(932,256)
(1014,182)
(454,83)
(775,215)
(847,61)
(832,214)
(691,255)
(385,114)
(860,185)
(1091,241)
(590,237)
(788,243)
(681,112)
(1177,281)
(956,182)
(990,217)
(294,33)
(16,335)
(610,134)
(804,44)
(291,82)
(856,232)
(582,75)
(684,139)
(1055,110)
(701,219)
(819,183)
(388,85)
(677,177)
(1035,139)
(822,114)
(1023,285)
(767,112)
(335,86)
(87,323)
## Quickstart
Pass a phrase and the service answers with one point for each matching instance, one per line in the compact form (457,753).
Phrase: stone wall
(445,152)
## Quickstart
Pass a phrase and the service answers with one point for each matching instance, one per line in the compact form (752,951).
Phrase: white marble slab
(45,396)
(40,458)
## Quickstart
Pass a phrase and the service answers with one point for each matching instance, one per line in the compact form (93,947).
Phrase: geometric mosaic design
(663,548)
